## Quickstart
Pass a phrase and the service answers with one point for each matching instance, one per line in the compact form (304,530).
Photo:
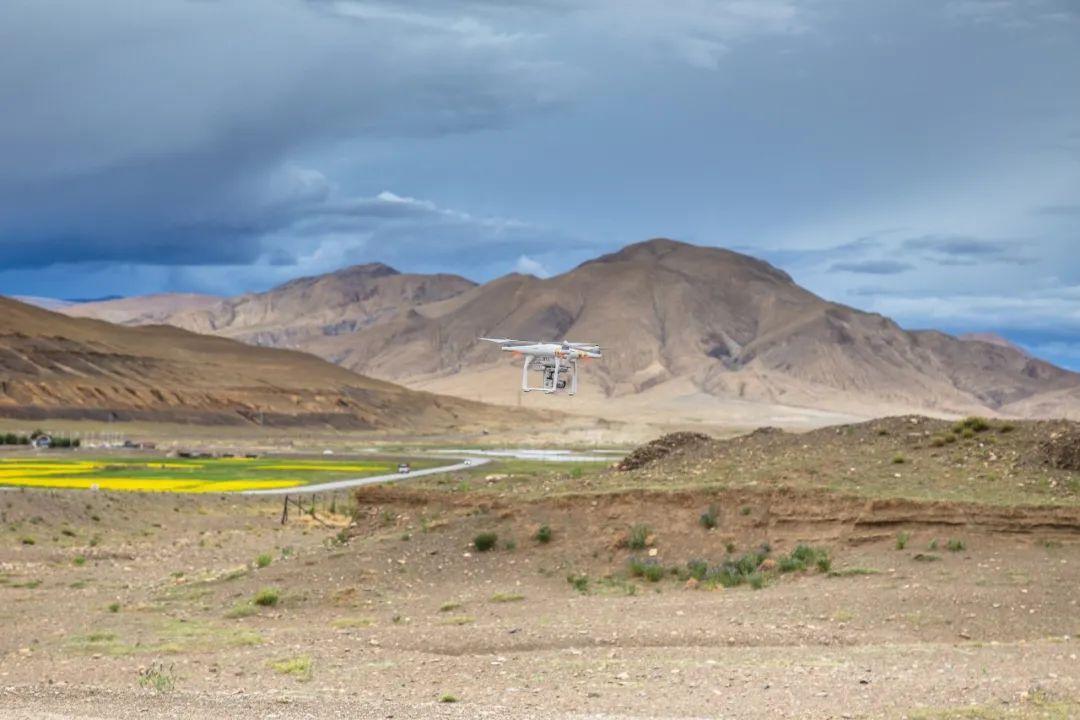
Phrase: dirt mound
(661,448)
(1062,449)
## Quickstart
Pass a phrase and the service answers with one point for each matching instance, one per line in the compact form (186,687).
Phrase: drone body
(553,360)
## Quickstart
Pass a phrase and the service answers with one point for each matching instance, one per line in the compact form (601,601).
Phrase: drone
(553,359)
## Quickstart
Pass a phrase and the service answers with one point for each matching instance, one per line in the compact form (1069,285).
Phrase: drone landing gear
(553,374)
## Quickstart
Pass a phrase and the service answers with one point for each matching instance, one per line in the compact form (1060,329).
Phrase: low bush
(709,519)
(267,597)
(543,535)
(485,541)
(639,537)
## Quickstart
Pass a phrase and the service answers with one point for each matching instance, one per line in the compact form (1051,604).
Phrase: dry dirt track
(406,613)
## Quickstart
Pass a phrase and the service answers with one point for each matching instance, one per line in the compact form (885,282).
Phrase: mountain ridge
(696,329)
(57,366)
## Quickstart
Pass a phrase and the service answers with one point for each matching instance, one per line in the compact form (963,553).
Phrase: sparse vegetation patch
(299,667)
(485,541)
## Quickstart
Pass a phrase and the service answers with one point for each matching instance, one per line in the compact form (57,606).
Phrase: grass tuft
(579,581)
(506,597)
(263,560)
(543,535)
(485,541)
(267,597)
(902,540)
(299,667)
(639,537)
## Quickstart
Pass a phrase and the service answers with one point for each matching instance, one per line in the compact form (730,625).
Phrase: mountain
(304,312)
(694,334)
(141,310)
(52,365)
(993,339)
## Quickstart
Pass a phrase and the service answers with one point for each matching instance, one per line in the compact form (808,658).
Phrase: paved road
(372,480)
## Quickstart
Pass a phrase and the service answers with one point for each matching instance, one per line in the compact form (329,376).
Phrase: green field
(160,474)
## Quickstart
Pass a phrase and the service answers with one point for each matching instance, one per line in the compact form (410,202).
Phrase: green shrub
(824,562)
(579,581)
(79,560)
(709,519)
(158,677)
(654,572)
(902,540)
(933,545)
(543,535)
(697,569)
(448,699)
(789,564)
(955,545)
(756,580)
(263,560)
(485,541)
(899,460)
(639,536)
(267,597)
(114,607)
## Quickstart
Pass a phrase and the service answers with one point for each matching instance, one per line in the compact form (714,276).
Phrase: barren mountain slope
(55,366)
(690,333)
(731,325)
(300,313)
(141,310)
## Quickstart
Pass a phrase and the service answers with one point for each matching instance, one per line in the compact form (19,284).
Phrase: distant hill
(694,334)
(52,365)
(140,310)
(302,313)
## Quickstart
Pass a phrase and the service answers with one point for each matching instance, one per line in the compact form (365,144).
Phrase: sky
(917,159)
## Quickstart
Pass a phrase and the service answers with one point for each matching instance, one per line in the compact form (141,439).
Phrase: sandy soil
(401,612)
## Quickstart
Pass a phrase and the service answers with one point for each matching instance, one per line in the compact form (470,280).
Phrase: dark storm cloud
(957,245)
(958,250)
(872,267)
(160,132)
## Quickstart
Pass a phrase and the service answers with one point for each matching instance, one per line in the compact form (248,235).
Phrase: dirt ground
(141,606)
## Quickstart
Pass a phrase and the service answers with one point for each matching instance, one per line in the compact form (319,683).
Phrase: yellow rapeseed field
(160,475)
(322,467)
(156,484)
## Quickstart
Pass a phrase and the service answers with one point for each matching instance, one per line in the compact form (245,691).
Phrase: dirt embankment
(744,517)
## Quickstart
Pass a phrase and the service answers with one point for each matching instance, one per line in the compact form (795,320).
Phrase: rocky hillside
(689,332)
(56,366)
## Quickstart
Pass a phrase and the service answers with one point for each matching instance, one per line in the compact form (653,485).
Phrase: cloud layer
(918,159)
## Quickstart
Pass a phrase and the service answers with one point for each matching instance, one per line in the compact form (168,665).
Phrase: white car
(404,468)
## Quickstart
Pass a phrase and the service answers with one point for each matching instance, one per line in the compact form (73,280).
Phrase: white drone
(552,359)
